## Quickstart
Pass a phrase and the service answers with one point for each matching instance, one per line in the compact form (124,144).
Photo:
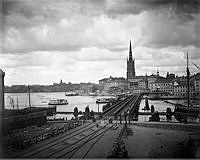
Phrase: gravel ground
(103,148)
(149,140)
(156,143)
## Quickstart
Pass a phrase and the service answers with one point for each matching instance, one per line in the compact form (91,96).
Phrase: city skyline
(85,41)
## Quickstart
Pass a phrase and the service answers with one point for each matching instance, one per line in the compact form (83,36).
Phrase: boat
(103,100)
(71,94)
(190,112)
(58,102)
(183,113)
(92,94)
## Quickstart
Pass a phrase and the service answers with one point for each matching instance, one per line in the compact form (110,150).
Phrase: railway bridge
(127,108)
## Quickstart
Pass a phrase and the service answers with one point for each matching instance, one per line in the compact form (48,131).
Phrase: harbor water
(159,106)
(42,99)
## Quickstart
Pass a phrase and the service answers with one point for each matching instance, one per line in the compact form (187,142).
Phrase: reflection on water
(159,106)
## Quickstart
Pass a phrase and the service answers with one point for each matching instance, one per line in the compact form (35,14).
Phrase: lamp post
(129,117)
(125,114)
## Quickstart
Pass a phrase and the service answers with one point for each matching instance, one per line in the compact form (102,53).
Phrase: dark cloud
(183,8)
(35,25)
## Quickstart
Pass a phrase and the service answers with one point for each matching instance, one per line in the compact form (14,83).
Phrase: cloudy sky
(43,41)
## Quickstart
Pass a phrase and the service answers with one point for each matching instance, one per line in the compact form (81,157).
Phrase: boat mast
(13,103)
(17,103)
(29,96)
(188,83)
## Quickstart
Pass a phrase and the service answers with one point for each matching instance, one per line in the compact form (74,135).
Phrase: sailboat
(186,113)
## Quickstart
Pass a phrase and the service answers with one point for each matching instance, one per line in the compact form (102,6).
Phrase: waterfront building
(161,84)
(171,84)
(180,85)
(180,89)
(143,84)
(195,80)
(197,86)
(113,83)
(2,105)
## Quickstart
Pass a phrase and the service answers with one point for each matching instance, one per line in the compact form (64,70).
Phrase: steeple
(130,52)
(130,64)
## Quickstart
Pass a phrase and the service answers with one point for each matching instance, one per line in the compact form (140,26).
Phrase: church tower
(130,64)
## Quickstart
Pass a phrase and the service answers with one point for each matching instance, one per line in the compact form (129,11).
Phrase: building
(2,105)
(197,86)
(195,80)
(131,76)
(138,84)
(161,84)
(180,89)
(170,76)
(130,65)
(2,75)
(151,83)
(118,84)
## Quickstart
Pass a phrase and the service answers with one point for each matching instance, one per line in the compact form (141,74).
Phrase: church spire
(130,52)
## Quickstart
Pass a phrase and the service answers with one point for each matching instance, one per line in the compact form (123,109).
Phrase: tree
(94,88)
(92,114)
(76,113)
(87,112)
(152,109)
(80,112)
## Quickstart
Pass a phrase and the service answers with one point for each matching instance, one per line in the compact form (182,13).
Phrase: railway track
(125,106)
(135,106)
(82,149)
(131,103)
(67,146)
(113,108)
(52,142)
(46,142)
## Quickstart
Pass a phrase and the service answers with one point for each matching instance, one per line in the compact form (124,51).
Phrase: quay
(98,113)
(63,112)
